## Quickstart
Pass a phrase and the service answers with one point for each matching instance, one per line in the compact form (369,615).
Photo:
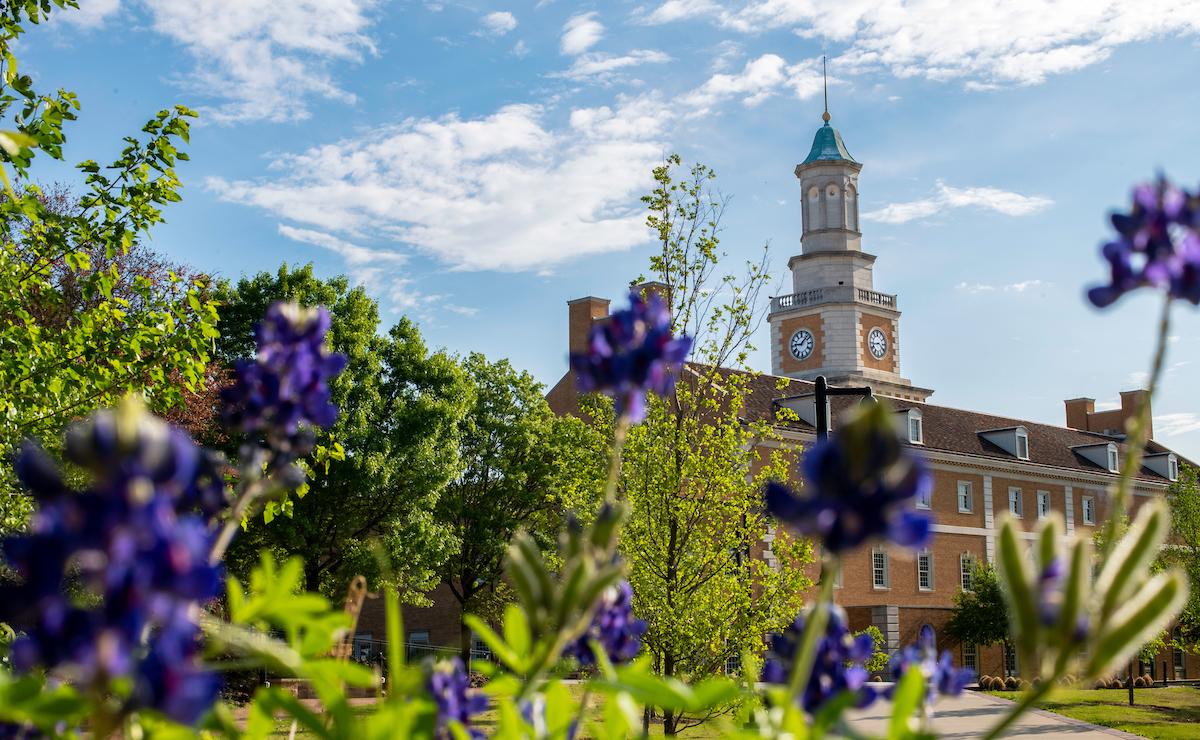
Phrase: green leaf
(496,643)
(13,141)
(516,630)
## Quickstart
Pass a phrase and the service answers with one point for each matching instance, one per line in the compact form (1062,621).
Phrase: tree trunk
(464,633)
(669,717)
(312,576)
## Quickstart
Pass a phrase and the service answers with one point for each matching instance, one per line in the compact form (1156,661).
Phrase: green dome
(828,147)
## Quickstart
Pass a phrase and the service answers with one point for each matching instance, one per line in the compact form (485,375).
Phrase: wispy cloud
(946,198)
(90,14)
(1020,287)
(1172,425)
(580,33)
(604,67)
(500,192)
(498,23)
(982,42)
(264,59)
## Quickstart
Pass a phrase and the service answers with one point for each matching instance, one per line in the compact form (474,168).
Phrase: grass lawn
(1158,713)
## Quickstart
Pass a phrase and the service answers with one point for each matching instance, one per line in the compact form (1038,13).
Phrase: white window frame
(966,571)
(925,569)
(965,486)
(1113,460)
(1043,504)
(1016,504)
(1087,509)
(925,498)
(1010,658)
(1172,468)
(880,567)
(916,424)
(1022,440)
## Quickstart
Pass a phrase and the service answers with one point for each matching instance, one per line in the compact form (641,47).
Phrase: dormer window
(1102,454)
(916,431)
(1013,440)
(1165,464)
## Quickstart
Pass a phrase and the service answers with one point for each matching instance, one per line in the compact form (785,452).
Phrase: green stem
(814,627)
(620,433)
(1138,433)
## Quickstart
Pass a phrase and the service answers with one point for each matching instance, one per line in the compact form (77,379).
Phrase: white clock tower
(834,323)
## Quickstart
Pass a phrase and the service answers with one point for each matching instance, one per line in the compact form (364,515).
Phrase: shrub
(1012,683)
(1139,682)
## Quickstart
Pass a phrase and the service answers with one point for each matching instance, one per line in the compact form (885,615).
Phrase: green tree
(511,445)
(78,329)
(694,470)
(980,616)
(371,513)
(1183,496)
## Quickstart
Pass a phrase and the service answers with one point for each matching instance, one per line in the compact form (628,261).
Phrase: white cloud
(507,191)
(601,66)
(1022,286)
(90,14)
(759,79)
(1172,425)
(580,33)
(266,59)
(520,49)
(984,42)
(499,23)
(947,197)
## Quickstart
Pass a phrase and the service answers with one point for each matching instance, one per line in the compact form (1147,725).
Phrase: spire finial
(825,81)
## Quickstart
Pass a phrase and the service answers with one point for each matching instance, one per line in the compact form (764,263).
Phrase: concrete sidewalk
(970,715)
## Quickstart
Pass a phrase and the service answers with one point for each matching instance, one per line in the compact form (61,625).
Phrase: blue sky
(478,164)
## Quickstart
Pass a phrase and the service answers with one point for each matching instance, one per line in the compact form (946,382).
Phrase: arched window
(834,209)
(926,636)
(851,209)
(815,217)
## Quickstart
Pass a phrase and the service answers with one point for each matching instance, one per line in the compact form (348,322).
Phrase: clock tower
(834,323)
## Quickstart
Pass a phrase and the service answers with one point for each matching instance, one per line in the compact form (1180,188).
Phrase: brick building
(834,323)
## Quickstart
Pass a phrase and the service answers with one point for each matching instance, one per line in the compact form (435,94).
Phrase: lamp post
(822,392)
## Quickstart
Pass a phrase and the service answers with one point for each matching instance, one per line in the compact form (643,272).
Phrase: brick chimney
(581,314)
(1082,414)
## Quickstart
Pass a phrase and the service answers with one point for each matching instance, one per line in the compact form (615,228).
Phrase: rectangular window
(1014,501)
(1112,459)
(914,430)
(966,502)
(966,565)
(925,499)
(1010,661)
(925,571)
(1043,498)
(879,569)
(1172,468)
(970,658)
(1089,510)
(1022,446)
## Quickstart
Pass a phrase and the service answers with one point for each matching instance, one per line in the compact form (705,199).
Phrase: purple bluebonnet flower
(450,687)
(284,391)
(129,540)
(858,486)
(632,352)
(941,676)
(613,626)
(1157,245)
(839,665)
(1050,595)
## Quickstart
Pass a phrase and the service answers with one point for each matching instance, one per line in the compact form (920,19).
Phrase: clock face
(877,342)
(802,344)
